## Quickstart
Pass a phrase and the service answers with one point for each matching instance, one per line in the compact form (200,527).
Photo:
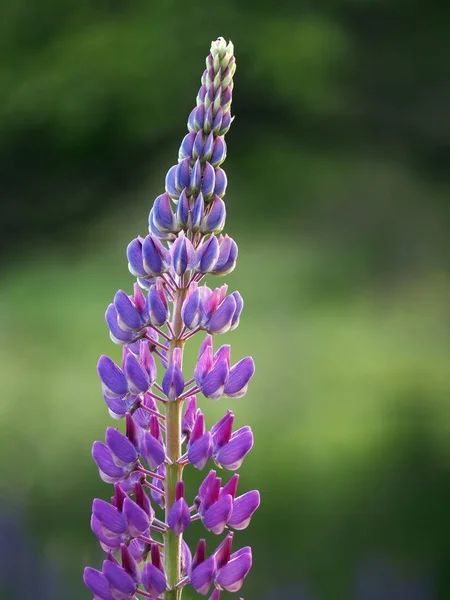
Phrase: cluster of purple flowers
(164,428)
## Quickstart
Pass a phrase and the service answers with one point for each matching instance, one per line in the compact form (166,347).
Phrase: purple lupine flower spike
(165,426)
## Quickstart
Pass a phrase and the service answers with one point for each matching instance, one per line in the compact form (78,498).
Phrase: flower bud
(228,252)
(207,254)
(134,256)
(184,257)
(219,152)
(153,575)
(189,416)
(129,564)
(173,380)
(183,210)
(231,456)
(157,305)
(111,521)
(116,333)
(163,216)
(137,519)
(239,377)
(108,470)
(198,145)
(152,451)
(114,382)
(214,220)
(218,514)
(156,258)
(222,430)
(225,124)
(217,121)
(179,517)
(220,321)
(223,551)
(208,147)
(122,450)
(243,508)
(137,377)
(198,212)
(220,182)
(191,311)
(186,146)
(232,575)
(208,181)
(196,178)
(202,576)
(170,182)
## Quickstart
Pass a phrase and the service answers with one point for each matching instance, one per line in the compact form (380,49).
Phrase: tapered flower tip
(231,486)
(98,584)
(134,255)
(202,576)
(129,564)
(137,519)
(157,305)
(137,377)
(232,575)
(214,220)
(200,554)
(121,583)
(208,254)
(129,317)
(156,258)
(113,380)
(222,430)
(218,514)
(143,500)
(110,519)
(223,551)
(215,595)
(152,451)
(153,579)
(156,497)
(200,451)
(243,508)
(116,333)
(191,312)
(179,517)
(163,216)
(122,450)
(184,257)
(109,471)
(213,384)
(189,416)
(239,377)
(232,454)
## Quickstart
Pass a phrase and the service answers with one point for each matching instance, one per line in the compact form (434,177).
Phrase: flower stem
(172,551)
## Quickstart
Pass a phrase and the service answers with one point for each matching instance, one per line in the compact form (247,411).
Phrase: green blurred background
(339,199)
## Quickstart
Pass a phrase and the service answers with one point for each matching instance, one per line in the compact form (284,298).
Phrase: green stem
(172,542)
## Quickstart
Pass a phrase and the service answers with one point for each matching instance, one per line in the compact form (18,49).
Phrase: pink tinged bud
(116,333)
(232,575)
(198,212)
(219,152)
(138,300)
(224,352)
(196,178)
(208,148)
(231,486)
(137,377)
(122,450)
(133,431)
(129,564)
(183,175)
(170,182)
(152,451)
(210,496)
(215,595)
(186,146)
(137,519)
(97,583)
(208,253)
(111,521)
(200,554)
(179,517)
(218,514)
(109,471)
(147,361)
(183,210)
(198,145)
(121,583)
(204,365)
(220,182)
(212,300)
(173,380)
(223,551)
(119,497)
(239,377)
(222,430)
(203,490)
(189,416)
(232,455)
(184,257)
(238,311)
(213,384)
(134,255)
(157,305)
(156,258)
(220,321)
(214,221)
(208,181)
(202,576)
(243,508)
(226,122)
(113,380)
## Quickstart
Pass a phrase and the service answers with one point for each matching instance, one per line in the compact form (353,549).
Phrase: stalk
(172,552)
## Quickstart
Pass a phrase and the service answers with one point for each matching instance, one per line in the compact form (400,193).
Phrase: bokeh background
(339,199)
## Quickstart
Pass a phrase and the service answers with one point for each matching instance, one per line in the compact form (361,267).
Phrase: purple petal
(137,518)
(152,451)
(118,578)
(117,334)
(129,318)
(113,379)
(163,216)
(213,384)
(153,579)
(223,551)
(183,174)
(170,182)
(186,558)
(233,453)
(202,576)
(218,514)
(208,254)
(97,583)
(220,182)
(187,145)
(122,450)
(110,519)
(134,255)
(222,430)
(239,377)
(232,575)
(109,471)
(129,564)
(179,517)
(208,181)
(243,508)
(107,543)
(137,377)
(173,382)
(200,451)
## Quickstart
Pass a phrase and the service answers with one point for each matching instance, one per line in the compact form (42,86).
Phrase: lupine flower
(169,305)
